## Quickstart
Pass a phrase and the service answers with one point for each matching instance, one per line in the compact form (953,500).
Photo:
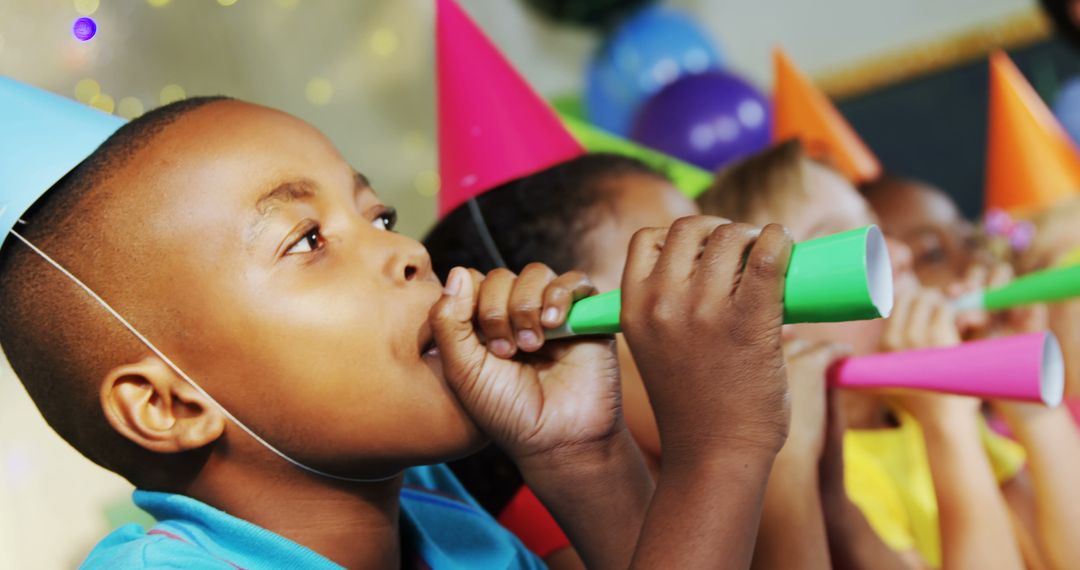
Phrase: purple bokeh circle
(84,29)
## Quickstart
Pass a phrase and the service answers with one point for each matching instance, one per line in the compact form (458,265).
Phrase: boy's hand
(921,319)
(807,364)
(925,319)
(979,323)
(702,311)
(528,396)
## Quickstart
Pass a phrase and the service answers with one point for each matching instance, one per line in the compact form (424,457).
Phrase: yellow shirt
(887,475)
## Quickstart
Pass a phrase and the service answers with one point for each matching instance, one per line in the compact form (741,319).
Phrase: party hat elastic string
(150,345)
(485,236)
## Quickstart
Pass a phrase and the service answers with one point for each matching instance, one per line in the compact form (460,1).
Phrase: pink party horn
(1025,367)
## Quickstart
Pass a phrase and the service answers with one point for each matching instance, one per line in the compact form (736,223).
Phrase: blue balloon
(648,51)
(1067,107)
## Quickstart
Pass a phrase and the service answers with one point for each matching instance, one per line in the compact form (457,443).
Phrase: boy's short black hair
(1060,13)
(55,338)
(543,217)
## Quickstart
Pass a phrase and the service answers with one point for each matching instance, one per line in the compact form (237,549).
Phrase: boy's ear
(148,403)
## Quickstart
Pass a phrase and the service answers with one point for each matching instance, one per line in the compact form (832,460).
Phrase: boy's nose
(411,263)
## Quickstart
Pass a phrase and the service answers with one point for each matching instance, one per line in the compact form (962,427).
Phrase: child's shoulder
(131,546)
(192,534)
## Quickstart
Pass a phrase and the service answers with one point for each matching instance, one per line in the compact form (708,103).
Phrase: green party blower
(842,277)
(1045,286)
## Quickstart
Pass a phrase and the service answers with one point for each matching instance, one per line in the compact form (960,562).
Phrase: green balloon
(686,177)
(842,277)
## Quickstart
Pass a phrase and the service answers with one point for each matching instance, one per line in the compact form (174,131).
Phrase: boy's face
(831,205)
(263,260)
(943,244)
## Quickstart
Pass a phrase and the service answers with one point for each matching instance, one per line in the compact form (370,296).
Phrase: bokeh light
(171,93)
(84,29)
(226,2)
(87,7)
(384,42)
(415,142)
(319,91)
(427,183)
(157,3)
(86,89)
(103,102)
(130,107)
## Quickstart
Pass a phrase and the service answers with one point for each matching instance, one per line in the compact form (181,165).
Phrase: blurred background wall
(362,71)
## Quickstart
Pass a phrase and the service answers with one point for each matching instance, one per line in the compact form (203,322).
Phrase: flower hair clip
(1000,227)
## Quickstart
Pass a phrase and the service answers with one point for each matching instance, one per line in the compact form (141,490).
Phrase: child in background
(886,451)
(250,256)
(575,215)
(1057,242)
(947,255)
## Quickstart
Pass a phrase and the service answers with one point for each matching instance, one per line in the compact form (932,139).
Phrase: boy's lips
(428,348)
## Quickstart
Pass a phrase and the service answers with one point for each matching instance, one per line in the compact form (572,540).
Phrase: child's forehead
(211,167)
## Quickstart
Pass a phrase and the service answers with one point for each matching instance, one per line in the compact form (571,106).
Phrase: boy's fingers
(561,294)
(684,245)
(794,347)
(492,314)
(644,252)
(452,325)
(976,277)
(762,283)
(896,324)
(919,320)
(1001,274)
(826,353)
(526,304)
(724,257)
(944,324)
(820,355)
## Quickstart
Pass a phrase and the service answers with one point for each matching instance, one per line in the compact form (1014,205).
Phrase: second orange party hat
(801,110)
(1031,163)
(493,127)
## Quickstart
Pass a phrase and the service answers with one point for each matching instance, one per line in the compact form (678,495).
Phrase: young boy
(210,305)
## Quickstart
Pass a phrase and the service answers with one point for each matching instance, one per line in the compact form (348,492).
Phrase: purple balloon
(708,119)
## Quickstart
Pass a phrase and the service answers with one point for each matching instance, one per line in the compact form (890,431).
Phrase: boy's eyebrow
(283,193)
(361,182)
(291,191)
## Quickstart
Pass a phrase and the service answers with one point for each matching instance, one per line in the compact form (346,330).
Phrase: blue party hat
(42,137)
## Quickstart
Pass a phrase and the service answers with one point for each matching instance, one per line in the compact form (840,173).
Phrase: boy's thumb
(452,326)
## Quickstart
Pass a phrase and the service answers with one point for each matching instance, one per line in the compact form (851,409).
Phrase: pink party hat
(1024,367)
(493,127)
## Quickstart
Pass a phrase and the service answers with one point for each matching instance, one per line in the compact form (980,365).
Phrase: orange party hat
(801,110)
(1031,163)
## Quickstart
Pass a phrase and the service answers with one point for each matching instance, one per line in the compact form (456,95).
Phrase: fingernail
(528,339)
(551,315)
(501,347)
(453,282)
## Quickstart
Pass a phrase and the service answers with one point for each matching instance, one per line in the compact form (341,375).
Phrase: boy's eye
(386,220)
(932,257)
(312,241)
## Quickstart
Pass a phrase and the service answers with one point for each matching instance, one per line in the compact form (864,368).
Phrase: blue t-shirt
(443,528)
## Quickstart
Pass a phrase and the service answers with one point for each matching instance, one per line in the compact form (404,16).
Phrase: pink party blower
(1025,367)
